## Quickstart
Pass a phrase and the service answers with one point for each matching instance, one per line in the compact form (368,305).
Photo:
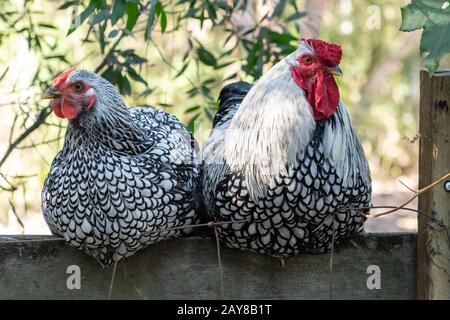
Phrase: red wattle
(69,110)
(326,96)
(322,94)
(56,107)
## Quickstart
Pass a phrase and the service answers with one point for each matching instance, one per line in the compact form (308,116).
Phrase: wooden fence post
(433,240)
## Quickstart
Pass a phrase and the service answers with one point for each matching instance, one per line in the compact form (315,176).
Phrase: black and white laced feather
(122,177)
(287,177)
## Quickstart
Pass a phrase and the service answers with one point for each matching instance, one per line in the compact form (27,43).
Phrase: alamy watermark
(374,280)
(74,279)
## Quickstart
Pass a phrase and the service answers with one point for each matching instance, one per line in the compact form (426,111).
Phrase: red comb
(62,77)
(328,53)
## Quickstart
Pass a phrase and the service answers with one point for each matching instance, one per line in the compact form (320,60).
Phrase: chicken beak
(336,71)
(51,93)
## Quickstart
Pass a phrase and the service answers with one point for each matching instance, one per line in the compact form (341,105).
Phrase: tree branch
(39,120)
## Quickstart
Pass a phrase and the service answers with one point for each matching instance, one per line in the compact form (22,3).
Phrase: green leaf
(159,11)
(192,92)
(281,38)
(158,8)
(79,19)
(208,81)
(117,11)
(111,75)
(202,19)
(279,8)
(146,92)
(58,57)
(412,19)
(124,84)
(99,17)
(231,76)
(135,76)
(192,122)
(287,49)
(226,64)
(131,58)
(210,112)
(211,12)
(163,21)
(113,33)
(164,105)
(183,69)
(126,87)
(296,16)
(132,10)
(206,57)
(149,25)
(433,16)
(46,25)
(192,109)
(101,36)
(190,13)
(67,5)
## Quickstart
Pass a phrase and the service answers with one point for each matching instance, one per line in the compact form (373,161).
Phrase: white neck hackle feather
(273,124)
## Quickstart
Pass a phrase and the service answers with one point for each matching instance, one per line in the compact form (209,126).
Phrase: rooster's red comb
(329,53)
(62,77)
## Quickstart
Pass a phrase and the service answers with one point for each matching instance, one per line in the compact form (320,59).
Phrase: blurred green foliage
(177,54)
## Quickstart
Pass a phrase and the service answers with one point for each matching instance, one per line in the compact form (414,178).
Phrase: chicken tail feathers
(230,98)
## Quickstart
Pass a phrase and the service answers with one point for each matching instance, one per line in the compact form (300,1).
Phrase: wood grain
(188,269)
(433,255)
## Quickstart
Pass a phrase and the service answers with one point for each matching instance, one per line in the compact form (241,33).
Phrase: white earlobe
(90,92)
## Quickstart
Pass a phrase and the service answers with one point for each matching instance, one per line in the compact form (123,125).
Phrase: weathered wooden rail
(188,269)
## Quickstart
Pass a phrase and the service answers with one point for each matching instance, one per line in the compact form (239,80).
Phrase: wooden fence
(188,269)
(433,239)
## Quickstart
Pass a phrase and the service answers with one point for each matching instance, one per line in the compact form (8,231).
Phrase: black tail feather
(229,99)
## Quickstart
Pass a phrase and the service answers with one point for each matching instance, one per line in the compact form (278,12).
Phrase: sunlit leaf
(433,16)
(192,109)
(132,10)
(192,122)
(206,57)
(67,5)
(281,38)
(117,11)
(183,69)
(158,8)
(79,19)
(113,33)
(296,16)
(99,17)
(163,21)
(135,76)
(46,25)
(149,25)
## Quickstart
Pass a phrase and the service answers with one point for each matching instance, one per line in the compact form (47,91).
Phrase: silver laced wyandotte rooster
(284,159)
(123,175)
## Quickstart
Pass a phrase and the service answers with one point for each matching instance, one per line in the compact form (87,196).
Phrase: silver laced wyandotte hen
(284,159)
(123,175)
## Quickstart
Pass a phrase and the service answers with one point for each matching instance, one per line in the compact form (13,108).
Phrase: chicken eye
(78,86)
(307,61)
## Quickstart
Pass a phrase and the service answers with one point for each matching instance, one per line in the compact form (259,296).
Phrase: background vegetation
(177,54)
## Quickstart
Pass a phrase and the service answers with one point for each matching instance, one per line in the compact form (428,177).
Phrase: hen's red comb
(329,53)
(62,77)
